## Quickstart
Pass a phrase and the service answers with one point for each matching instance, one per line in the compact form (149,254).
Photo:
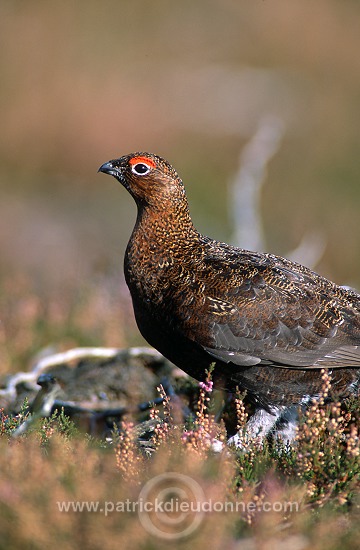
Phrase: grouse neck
(168,224)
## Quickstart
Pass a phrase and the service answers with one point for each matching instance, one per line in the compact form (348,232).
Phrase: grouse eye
(140,169)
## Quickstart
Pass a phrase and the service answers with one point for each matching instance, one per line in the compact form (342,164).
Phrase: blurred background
(85,82)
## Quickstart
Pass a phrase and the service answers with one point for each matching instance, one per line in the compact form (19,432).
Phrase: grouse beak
(108,168)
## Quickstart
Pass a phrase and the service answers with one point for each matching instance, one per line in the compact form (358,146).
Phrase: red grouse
(268,323)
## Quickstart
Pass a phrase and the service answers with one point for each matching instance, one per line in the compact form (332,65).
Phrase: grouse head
(150,179)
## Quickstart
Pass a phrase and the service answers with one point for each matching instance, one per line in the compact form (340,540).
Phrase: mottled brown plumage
(269,324)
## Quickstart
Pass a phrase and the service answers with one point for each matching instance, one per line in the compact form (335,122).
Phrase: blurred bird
(43,402)
(269,324)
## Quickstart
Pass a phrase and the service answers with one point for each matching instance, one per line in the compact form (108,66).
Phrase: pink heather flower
(186,435)
(206,386)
